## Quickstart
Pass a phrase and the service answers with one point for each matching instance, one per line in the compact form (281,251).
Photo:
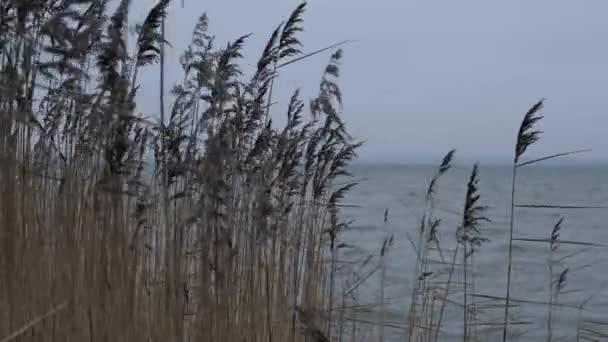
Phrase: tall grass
(526,136)
(205,221)
(207,224)
(470,237)
(424,293)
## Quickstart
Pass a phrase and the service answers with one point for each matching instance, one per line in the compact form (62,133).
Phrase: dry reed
(209,224)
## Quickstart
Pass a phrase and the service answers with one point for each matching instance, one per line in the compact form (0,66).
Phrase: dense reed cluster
(208,222)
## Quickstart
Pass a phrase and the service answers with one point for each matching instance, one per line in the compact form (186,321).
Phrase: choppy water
(401,189)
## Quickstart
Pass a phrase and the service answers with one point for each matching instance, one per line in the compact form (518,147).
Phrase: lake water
(401,189)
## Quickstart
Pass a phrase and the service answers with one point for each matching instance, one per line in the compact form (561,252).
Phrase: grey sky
(426,76)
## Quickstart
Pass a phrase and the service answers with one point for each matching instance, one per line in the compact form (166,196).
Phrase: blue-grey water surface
(401,189)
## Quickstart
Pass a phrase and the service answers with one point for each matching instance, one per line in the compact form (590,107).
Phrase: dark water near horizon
(401,189)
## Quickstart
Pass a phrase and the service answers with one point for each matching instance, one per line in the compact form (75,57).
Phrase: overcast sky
(427,76)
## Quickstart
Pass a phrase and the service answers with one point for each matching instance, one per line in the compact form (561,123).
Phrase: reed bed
(207,222)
